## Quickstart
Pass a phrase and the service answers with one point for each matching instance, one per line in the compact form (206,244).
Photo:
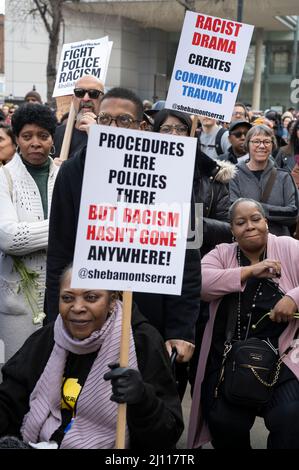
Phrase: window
(281,60)
(248,74)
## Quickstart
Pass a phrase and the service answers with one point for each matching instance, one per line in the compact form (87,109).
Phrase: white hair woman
(260,180)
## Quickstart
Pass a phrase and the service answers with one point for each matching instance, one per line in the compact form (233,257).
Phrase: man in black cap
(236,135)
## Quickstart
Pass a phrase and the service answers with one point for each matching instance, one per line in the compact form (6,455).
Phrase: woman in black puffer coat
(210,183)
(211,180)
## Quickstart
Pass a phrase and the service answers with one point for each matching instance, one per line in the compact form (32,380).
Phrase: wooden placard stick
(194,126)
(65,148)
(123,362)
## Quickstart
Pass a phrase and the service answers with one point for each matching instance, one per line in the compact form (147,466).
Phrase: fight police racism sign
(90,57)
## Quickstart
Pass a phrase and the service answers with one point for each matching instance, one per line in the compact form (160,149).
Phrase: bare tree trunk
(191,4)
(50,12)
(187,4)
(53,49)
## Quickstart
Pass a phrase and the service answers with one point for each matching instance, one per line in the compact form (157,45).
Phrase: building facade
(142,56)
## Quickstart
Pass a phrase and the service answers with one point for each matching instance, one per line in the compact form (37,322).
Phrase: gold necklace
(257,292)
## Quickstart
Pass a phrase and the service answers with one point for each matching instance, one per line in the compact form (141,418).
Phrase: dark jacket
(156,422)
(78,140)
(285,158)
(174,316)
(229,156)
(211,189)
(282,205)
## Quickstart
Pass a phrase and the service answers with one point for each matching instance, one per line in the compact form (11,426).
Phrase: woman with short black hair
(252,286)
(26,185)
(68,397)
(41,116)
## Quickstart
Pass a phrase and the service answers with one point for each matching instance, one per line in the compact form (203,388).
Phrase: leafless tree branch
(187,5)
(41,7)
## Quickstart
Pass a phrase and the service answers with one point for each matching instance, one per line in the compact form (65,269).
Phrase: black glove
(127,384)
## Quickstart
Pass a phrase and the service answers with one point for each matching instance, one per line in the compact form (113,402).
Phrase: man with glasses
(236,135)
(87,96)
(240,113)
(121,108)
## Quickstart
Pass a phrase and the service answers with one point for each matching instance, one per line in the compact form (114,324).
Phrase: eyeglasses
(239,134)
(239,113)
(180,129)
(258,143)
(123,120)
(92,93)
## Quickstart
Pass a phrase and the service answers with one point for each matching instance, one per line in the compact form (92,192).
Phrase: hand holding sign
(85,120)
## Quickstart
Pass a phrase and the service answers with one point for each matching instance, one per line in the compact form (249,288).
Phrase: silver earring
(112,308)
(52,151)
(18,149)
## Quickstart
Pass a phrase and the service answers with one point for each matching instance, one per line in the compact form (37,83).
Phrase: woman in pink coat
(258,273)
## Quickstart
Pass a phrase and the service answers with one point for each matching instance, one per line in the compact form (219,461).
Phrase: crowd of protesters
(68,338)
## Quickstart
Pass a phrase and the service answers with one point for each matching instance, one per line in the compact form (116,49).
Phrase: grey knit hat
(33,94)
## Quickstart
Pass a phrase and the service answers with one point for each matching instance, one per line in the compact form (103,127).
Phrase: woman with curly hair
(26,185)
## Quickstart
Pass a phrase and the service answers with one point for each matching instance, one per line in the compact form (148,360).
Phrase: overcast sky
(2,3)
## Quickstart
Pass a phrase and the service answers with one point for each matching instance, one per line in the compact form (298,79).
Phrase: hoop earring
(112,308)
(114,297)
(52,151)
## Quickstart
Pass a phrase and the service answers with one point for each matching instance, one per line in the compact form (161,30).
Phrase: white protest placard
(137,245)
(209,66)
(90,57)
